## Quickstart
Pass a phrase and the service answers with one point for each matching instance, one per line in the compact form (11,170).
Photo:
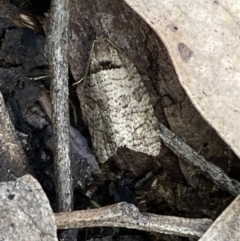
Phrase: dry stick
(216,174)
(58,51)
(58,60)
(128,216)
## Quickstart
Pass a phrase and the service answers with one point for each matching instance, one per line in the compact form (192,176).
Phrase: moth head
(104,55)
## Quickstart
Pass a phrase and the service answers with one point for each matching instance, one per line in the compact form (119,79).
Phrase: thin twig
(128,216)
(58,60)
(215,173)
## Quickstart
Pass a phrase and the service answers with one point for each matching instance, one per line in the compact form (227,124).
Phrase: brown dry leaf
(25,212)
(202,41)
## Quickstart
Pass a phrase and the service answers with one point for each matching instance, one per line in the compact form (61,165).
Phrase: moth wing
(98,121)
(145,134)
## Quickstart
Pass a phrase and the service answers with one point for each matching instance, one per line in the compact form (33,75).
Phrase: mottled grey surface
(25,211)
(226,226)
(116,105)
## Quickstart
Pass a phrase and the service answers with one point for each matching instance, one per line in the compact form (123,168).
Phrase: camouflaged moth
(116,104)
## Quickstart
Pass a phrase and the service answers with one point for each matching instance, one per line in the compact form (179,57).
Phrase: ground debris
(25,211)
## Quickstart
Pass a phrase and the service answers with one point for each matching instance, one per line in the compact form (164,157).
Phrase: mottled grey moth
(116,104)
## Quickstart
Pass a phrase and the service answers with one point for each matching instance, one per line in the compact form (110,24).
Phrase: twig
(215,173)
(58,60)
(128,216)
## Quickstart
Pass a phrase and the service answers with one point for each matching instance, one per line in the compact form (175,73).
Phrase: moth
(116,104)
